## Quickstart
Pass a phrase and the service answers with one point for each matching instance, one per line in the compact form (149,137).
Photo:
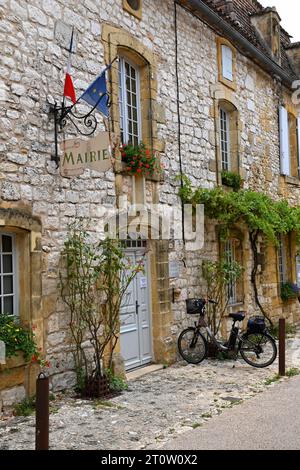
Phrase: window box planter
(14,361)
(139,161)
(289,291)
(231,180)
(121,168)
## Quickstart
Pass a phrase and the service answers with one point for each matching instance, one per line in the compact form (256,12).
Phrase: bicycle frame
(220,346)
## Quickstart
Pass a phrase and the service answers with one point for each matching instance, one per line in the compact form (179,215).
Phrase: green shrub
(25,408)
(233,180)
(290,329)
(116,383)
(292,372)
(289,291)
(17,338)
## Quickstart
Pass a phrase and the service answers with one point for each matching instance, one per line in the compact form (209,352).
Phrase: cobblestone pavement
(156,408)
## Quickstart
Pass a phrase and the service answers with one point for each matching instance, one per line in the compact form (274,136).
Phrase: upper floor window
(225,139)
(227,62)
(8,282)
(289,143)
(134,7)
(129,102)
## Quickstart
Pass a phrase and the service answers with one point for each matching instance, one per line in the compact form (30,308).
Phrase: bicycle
(256,346)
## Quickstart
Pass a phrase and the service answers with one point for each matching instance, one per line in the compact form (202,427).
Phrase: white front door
(135,329)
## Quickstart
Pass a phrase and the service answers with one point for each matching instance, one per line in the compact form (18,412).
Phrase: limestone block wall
(34,37)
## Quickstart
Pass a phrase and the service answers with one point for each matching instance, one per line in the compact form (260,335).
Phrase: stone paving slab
(156,408)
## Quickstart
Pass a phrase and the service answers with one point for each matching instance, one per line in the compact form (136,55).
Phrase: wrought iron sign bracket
(85,124)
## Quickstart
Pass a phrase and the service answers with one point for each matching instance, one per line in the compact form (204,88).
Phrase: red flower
(140,164)
(147,152)
(34,358)
(132,163)
(147,166)
(123,154)
(128,168)
(138,170)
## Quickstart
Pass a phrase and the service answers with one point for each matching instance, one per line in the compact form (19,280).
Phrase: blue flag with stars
(96,94)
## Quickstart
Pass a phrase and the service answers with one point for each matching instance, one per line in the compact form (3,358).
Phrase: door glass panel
(7,264)
(7,284)
(6,244)
(8,305)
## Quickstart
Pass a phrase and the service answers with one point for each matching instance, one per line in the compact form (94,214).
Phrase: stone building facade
(209,73)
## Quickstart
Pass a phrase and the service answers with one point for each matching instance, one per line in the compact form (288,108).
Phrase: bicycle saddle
(239,316)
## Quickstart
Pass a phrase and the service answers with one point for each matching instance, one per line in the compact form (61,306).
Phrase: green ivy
(17,338)
(231,179)
(256,210)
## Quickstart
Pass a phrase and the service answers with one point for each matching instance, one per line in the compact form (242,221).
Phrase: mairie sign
(78,155)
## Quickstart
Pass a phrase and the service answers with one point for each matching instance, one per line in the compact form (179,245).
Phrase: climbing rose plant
(93,284)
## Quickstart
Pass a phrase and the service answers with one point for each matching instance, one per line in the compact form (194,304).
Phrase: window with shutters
(226,62)
(289,143)
(294,145)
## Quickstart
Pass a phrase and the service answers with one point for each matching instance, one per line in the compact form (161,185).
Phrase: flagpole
(68,66)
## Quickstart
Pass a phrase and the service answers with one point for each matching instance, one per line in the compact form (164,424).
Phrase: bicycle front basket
(256,325)
(193,306)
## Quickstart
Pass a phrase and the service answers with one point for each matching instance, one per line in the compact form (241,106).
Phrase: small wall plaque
(173,269)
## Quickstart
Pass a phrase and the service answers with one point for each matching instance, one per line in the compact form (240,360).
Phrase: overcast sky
(289,12)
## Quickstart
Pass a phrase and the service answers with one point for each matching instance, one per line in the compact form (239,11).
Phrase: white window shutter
(284,142)
(298,133)
(227,63)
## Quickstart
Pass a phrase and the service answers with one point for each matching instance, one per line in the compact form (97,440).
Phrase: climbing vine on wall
(257,211)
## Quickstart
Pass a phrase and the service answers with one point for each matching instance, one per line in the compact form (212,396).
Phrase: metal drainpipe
(215,20)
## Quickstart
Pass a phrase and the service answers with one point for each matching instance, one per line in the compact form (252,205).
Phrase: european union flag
(96,94)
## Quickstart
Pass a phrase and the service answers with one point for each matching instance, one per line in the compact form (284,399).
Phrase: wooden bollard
(42,413)
(281,347)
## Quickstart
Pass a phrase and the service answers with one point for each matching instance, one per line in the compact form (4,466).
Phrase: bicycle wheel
(192,345)
(258,349)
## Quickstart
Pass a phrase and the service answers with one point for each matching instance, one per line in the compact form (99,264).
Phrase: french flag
(69,91)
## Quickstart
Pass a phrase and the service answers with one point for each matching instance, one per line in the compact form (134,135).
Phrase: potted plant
(231,179)
(289,290)
(140,160)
